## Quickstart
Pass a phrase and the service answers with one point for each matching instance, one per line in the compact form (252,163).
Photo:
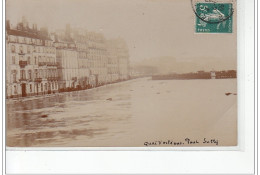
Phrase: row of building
(41,62)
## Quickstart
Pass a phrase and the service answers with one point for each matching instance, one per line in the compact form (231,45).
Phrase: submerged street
(128,113)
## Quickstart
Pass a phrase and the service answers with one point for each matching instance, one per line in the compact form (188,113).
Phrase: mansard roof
(29,34)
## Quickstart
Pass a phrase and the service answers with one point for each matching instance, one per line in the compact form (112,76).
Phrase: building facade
(38,62)
(30,62)
(97,57)
(80,39)
(118,59)
(113,62)
(66,55)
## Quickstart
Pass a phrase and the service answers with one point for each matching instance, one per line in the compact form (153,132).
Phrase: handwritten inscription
(186,141)
(211,1)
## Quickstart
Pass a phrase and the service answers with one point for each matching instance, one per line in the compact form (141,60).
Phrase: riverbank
(60,93)
(198,75)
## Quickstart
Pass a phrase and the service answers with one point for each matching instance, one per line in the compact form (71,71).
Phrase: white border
(242,161)
(204,148)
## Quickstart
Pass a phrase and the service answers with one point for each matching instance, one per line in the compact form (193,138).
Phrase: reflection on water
(125,114)
(57,118)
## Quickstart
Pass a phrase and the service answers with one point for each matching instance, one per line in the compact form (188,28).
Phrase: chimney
(34,26)
(24,22)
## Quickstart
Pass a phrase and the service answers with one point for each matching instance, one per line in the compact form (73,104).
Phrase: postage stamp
(214,17)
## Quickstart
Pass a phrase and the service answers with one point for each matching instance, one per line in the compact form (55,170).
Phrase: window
(48,73)
(29,60)
(28,49)
(14,76)
(12,38)
(15,89)
(36,73)
(34,49)
(30,74)
(45,86)
(35,60)
(30,88)
(40,73)
(41,87)
(22,74)
(21,49)
(13,48)
(13,59)
(45,73)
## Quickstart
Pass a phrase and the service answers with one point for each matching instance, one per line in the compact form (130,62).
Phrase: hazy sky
(151,28)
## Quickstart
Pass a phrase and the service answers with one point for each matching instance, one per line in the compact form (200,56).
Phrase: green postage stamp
(214,17)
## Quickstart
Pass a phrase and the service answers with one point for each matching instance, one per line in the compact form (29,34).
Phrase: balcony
(48,64)
(21,53)
(22,64)
(42,64)
(52,64)
(53,78)
(22,79)
(38,80)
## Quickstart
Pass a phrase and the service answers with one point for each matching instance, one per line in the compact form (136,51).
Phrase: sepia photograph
(120,73)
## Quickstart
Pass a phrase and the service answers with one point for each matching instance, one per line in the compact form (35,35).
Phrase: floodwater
(128,114)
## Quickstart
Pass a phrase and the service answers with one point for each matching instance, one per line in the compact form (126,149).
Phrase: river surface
(127,114)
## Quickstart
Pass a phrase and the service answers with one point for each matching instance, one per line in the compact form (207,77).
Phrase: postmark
(213,17)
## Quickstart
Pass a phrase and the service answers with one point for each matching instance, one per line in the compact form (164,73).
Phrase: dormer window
(13,48)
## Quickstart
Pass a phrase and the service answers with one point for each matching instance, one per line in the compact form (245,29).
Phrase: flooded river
(129,113)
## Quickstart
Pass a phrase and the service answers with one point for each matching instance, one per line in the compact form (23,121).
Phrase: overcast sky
(151,28)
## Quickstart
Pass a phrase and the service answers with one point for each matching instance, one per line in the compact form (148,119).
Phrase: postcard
(120,73)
